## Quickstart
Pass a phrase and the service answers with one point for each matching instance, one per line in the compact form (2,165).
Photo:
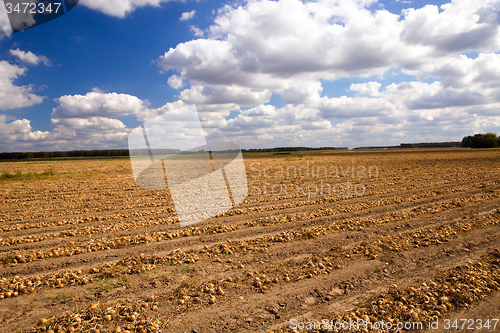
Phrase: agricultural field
(392,236)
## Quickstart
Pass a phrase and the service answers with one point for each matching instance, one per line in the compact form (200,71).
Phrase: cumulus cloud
(86,134)
(97,104)
(266,43)
(268,126)
(405,112)
(369,88)
(300,92)
(18,133)
(225,95)
(197,31)
(89,125)
(463,72)
(446,99)
(86,122)
(457,26)
(175,82)
(12,96)
(147,113)
(187,15)
(288,47)
(349,107)
(462,81)
(79,122)
(29,57)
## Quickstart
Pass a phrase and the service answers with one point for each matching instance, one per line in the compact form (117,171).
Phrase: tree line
(488,140)
(135,152)
(289,149)
(430,145)
(72,153)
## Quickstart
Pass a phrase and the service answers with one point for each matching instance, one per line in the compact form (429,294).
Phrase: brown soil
(420,244)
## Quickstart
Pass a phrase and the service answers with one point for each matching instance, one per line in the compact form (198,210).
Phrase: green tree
(488,140)
(467,141)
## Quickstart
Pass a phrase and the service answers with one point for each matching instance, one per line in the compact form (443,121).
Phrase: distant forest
(72,153)
(416,145)
(289,149)
(126,153)
(430,145)
(488,140)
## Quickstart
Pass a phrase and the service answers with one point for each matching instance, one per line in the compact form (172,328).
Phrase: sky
(334,73)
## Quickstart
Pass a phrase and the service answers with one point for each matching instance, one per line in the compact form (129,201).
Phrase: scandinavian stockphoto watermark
(205,177)
(357,325)
(308,179)
(360,324)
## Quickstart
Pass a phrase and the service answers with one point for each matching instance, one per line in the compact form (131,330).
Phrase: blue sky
(261,73)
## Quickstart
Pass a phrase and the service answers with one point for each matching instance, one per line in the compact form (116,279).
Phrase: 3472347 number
(32,8)
(470,324)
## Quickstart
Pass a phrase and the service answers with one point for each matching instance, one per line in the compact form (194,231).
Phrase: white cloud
(12,96)
(369,88)
(300,92)
(86,134)
(267,126)
(197,31)
(120,8)
(288,47)
(80,122)
(29,57)
(266,43)
(463,72)
(459,26)
(147,114)
(224,95)
(187,15)
(97,104)
(353,107)
(86,122)
(17,134)
(462,81)
(89,125)
(175,82)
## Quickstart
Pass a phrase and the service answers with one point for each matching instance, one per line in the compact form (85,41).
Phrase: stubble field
(401,237)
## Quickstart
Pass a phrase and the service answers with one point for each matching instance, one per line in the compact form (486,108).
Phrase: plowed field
(384,238)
